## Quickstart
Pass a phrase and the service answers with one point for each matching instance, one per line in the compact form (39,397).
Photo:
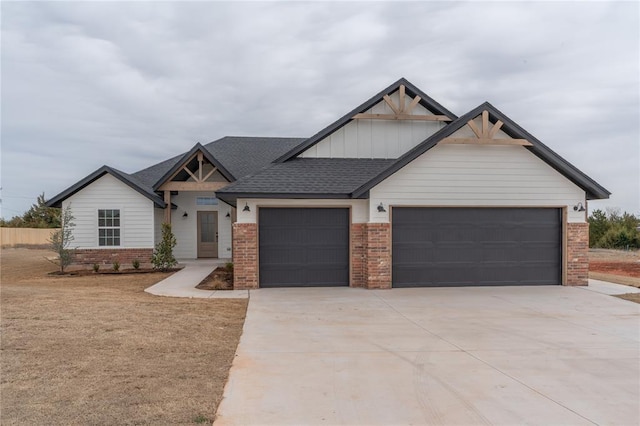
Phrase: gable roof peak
(425,100)
(198,147)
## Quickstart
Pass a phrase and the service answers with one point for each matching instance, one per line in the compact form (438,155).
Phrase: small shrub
(135,264)
(96,267)
(116,265)
(200,419)
(229,266)
(162,257)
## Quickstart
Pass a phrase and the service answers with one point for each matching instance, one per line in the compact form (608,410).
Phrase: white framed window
(108,227)
(206,201)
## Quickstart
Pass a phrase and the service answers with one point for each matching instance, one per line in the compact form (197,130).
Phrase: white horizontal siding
(158,220)
(376,138)
(186,228)
(469,175)
(136,213)
(359,208)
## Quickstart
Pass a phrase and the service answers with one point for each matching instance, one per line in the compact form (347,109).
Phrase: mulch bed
(85,272)
(220,279)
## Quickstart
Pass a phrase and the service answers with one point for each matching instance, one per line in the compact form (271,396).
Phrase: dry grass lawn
(98,350)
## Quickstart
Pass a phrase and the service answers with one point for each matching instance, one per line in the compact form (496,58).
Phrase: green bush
(116,265)
(162,257)
(96,267)
(135,264)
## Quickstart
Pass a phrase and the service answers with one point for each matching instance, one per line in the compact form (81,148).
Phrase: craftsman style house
(399,192)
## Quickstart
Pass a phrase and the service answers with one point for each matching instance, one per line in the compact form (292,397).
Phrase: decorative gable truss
(480,131)
(196,174)
(402,111)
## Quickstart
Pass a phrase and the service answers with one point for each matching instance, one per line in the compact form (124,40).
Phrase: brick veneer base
(577,254)
(86,258)
(245,256)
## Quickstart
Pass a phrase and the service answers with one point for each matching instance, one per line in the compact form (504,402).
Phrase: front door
(207,234)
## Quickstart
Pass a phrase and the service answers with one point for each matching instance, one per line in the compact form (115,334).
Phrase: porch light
(381,208)
(246,207)
(578,207)
(228,214)
(185,214)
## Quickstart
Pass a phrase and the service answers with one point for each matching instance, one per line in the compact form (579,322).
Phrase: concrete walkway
(485,355)
(183,282)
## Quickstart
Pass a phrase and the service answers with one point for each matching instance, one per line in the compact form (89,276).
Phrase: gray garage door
(303,247)
(476,246)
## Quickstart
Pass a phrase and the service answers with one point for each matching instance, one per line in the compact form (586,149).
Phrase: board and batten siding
(365,138)
(136,214)
(477,176)
(186,228)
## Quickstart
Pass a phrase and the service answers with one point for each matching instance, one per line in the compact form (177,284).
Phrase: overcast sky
(129,84)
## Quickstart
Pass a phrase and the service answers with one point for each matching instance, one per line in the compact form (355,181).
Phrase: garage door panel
(303,247)
(475,246)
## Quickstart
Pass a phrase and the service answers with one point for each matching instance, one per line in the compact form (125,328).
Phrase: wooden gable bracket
(402,111)
(199,181)
(485,136)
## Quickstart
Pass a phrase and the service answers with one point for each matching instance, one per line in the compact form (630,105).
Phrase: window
(206,201)
(109,227)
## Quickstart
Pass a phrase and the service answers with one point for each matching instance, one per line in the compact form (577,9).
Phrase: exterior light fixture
(246,207)
(228,214)
(381,208)
(185,214)
(578,207)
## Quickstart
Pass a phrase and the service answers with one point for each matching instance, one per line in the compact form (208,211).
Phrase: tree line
(611,229)
(38,216)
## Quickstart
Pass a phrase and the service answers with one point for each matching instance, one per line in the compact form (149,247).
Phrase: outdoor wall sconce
(185,214)
(381,208)
(246,207)
(228,214)
(578,207)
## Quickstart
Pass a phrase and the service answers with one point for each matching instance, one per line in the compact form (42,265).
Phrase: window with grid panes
(109,227)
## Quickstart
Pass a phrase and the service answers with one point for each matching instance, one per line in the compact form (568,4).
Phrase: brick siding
(577,254)
(245,256)
(86,258)
(358,255)
(378,255)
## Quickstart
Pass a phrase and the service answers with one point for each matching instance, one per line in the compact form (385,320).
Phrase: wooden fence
(22,237)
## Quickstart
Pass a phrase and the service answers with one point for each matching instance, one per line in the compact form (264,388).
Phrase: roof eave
(232,197)
(592,189)
(57,200)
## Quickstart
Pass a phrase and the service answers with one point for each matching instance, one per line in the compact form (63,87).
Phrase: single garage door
(435,247)
(303,247)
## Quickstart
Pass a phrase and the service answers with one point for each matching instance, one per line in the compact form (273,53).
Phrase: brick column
(245,256)
(577,253)
(358,255)
(378,255)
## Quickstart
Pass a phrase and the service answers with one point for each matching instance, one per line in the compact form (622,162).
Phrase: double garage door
(306,247)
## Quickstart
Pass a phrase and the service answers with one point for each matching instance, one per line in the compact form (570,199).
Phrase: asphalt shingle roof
(331,177)
(240,155)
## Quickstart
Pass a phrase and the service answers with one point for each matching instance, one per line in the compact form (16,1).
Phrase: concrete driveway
(511,355)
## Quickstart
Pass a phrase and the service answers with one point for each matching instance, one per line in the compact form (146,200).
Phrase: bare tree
(61,239)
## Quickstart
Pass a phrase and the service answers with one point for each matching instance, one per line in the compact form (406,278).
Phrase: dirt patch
(633,297)
(616,266)
(96,349)
(220,279)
